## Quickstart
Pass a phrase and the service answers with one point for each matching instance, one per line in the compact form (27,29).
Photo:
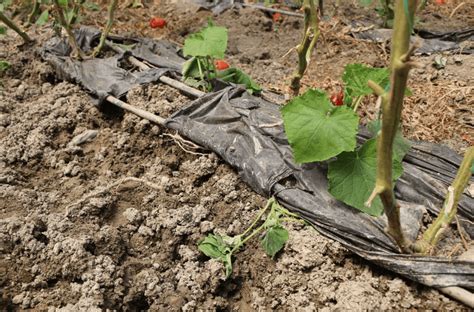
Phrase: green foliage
(214,246)
(4,4)
(4,65)
(235,75)
(316,129)
(210,41)
(352,177)
(223,247)
(3,30)
(43,18)
(204,47)
(356,76)
(401,146)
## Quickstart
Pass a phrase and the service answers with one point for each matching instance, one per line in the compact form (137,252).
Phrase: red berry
(157,22)
(221,65)
(440,2)
(276,17)
(337,99)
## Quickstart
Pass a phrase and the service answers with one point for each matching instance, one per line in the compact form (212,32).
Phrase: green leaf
(356,76)
(3,30)
(63,3)
(401,145)
(91,6)
(274,240)
(237,76)
(215,247)
(352,177)
(43,18)
(316,129)
(210,41)
(4,65)
(365,2)
(5,4)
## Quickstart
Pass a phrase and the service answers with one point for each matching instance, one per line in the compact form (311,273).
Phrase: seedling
(205,47)
(223,247)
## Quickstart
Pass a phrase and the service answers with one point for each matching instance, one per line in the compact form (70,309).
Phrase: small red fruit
(440,2)
(337,99)
(276,17)
(221,65)
(157,22)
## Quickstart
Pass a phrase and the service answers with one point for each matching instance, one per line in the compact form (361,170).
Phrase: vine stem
(305,48)
(62,20)
(435,231)
(108,27)
(7,21)
(392,104)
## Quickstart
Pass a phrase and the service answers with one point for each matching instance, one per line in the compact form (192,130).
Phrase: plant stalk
(305,48)
(392,104)
(72,39)
(105,32)
(34,12)
(7,21)
(450,206)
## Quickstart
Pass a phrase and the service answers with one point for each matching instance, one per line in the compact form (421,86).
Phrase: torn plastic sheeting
(247,132)
(103,76)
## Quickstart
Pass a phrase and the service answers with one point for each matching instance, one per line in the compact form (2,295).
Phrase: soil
(100,209)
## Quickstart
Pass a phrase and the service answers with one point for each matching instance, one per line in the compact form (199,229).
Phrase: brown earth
(113,223)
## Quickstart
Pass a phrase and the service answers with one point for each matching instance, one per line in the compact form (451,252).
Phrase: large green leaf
(316,129)
(356,76)
(401,145)
(210,41)
(352,177)
(237,76)
(274,239)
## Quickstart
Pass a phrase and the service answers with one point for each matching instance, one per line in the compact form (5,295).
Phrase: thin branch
(107,28)
(7,21)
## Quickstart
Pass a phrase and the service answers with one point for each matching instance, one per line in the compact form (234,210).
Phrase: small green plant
(223,247)
(206,48)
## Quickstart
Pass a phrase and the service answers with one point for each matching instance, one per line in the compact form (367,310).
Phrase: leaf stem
(107,28)
(259,216)
(72,39)
(7,21)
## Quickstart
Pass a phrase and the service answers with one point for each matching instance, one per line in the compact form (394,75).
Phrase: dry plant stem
(391,109)
(110,21)
(7,21)
(305,48)
(450,206)
(72,40)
